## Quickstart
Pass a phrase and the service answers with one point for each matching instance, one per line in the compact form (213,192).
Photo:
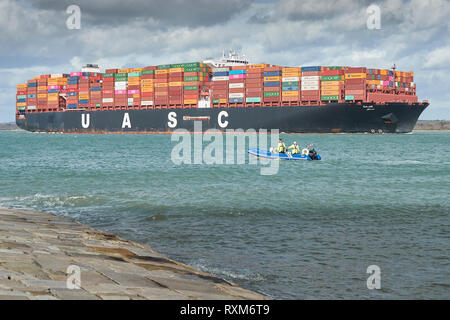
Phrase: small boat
(262,153)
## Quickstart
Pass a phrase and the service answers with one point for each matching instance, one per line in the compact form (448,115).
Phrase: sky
(415,35)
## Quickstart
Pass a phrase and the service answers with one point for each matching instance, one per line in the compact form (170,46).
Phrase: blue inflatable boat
(262,153)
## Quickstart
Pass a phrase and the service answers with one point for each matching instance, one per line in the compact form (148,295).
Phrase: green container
(253,99)
(164,66)
(148,71)
(329,98)
(215,101)
(194,78)
(21,108)
(331,78)
(108,75)
(271,94)
(188,88)
(334,68)
(135,74)
(121,76)
(193,69)
(98,105)
(349,98)
(290,84)
(22,96)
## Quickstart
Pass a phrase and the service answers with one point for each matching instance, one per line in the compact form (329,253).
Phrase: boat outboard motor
(312,154)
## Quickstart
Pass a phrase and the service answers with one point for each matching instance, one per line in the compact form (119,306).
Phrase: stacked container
(72,91)
(254,89)
(42,94)
(21,98)
(331,83)
(108,87)
(310,83)
(162,85)
(147,86)
(134,87)
(220,85)
(272,84)
(196,75)
(120,88)
(290,84)
(176,83)
(355,84)
(236,84)
(95,91)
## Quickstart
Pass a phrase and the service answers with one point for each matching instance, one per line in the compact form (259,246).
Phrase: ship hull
(330,118)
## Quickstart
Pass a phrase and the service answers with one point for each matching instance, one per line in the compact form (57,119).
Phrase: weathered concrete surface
(36,248)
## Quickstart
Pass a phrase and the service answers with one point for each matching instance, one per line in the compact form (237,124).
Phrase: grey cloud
(170,12)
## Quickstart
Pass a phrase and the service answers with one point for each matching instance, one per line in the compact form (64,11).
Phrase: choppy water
(308,232)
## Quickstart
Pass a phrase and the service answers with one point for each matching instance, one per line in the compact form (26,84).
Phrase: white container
(290,79)
(308,78)
(223,78)
(310,87)
(236,95)
(310,83)
(31,107)
(236,85)
(221,69)
(147,103)
(56,75)
(108,100)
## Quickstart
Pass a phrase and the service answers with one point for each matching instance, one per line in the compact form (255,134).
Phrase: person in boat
(295,148)
(281,146)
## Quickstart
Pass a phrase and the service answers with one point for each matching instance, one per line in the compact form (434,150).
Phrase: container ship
(223,94)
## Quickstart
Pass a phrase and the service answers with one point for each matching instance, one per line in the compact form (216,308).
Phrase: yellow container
(384,72)
(272,78)
(52,99)
(21,104)
(42,88)
(355,76)
(83,97)
(42,95)
(295,70)
(22,86)
(147,89)
(136,70)
(122,71)
(190,101)
(330,92)
(289,93)
(162,71)
(161,84)
(147,85)
(136,96)
(56,94)
(225,100)
(176,84)
(173,70)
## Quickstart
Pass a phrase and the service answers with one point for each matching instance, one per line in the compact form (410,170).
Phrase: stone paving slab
(36,249)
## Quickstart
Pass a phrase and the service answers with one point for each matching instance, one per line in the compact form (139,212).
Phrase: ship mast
(393,77)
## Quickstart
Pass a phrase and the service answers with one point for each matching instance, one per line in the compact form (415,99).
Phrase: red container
(354,81)
(355,70)
(111,70)
(310,73)
(331,72)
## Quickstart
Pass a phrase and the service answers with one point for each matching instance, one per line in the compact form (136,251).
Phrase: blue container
(391,73)
(72,106)
(272,74)
(73,78)
(306,69)
(391,84)
(236,100)
(31,96)
(271,83)
(95,89)
(220,74)
(289,89)
(237,72)
(21,100)
(83,101)
(378,77)
(53,90)
(32,85)
(72,94)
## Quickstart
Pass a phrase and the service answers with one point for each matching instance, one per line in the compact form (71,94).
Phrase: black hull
(331,118)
